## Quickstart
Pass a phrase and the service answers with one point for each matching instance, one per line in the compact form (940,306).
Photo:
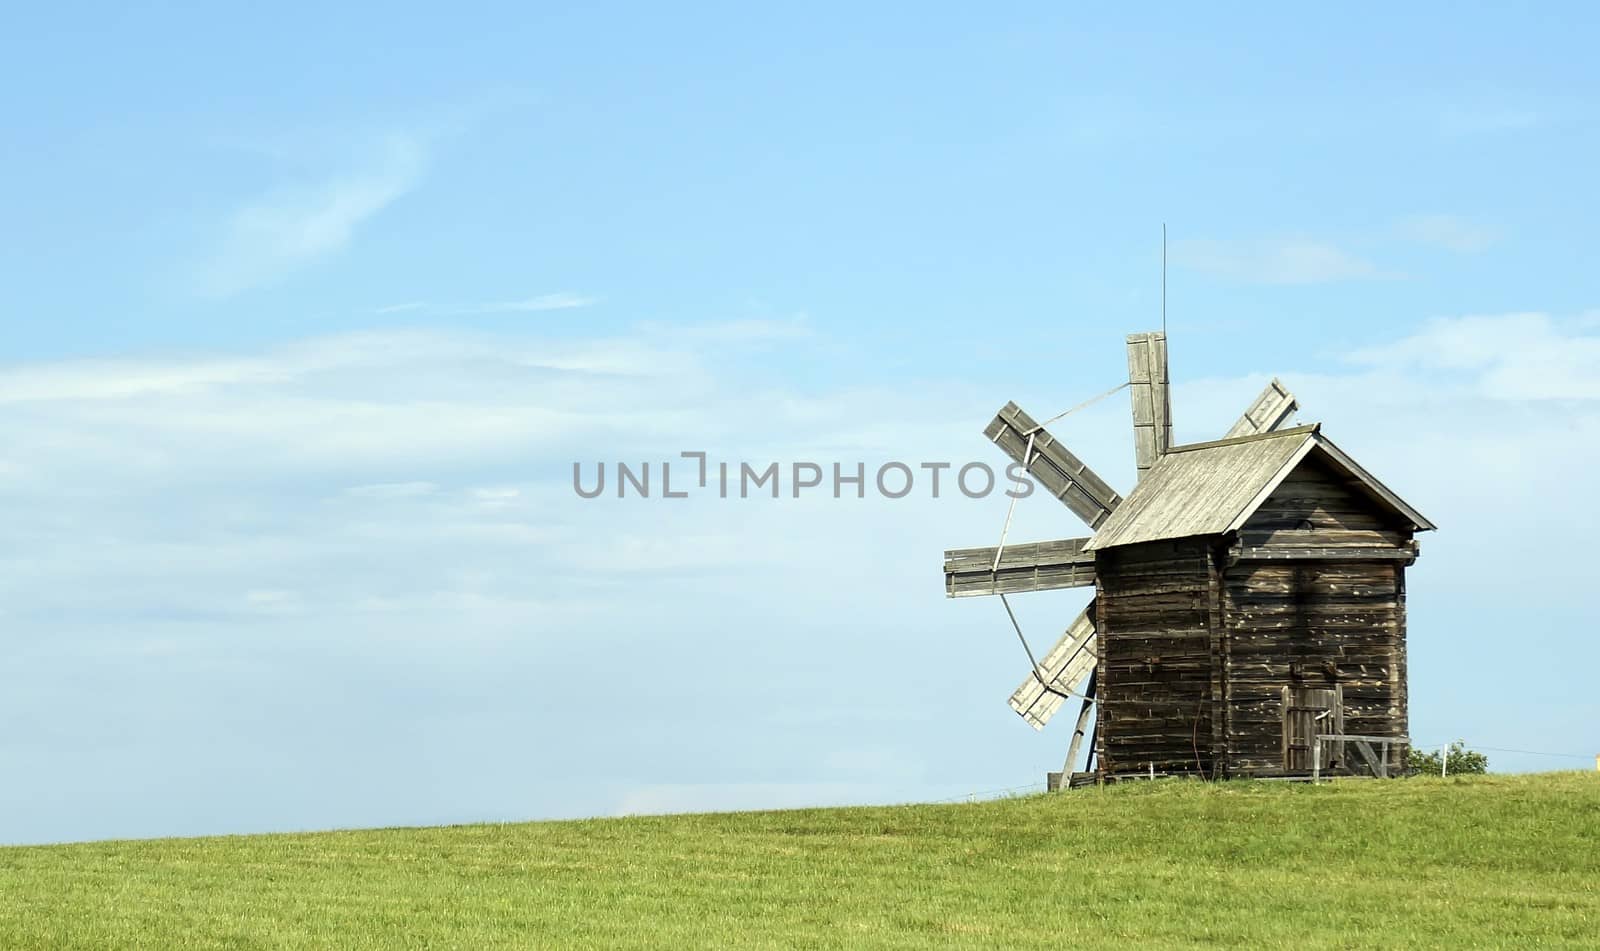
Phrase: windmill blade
(1065,668)
(1268,413)
(1152,406)
(1061,473)
(1034,566)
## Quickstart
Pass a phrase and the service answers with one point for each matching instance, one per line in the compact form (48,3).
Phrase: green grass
(1511,861)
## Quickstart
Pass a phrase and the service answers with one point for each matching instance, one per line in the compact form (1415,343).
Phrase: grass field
(1510,861)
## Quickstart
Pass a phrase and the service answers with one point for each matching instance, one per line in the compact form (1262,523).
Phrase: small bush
(1460,762)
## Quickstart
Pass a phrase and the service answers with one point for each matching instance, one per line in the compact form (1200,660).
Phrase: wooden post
(1090,761)
(1083,722)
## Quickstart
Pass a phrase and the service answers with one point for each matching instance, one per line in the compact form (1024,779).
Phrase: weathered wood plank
(1152,407)
(1252,537)
(1031,566)
(1404,556)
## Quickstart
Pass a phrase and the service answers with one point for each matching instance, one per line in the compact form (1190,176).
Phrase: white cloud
(327,359)
(754,330)
(1287,261)
(1508,357)
(392,490)
(497,497)
(1451,232)
(273,601)
(560,300)
(563,300)
(292,226)
(386,523)
(401,308)
(110,380)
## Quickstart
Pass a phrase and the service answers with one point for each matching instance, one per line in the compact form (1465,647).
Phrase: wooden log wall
(1310,624)
(1314,623)
(1156,605)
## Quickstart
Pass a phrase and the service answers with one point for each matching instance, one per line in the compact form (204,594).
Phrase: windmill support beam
(1152,408)
(1061,473)
(1034,566)
(1083,723)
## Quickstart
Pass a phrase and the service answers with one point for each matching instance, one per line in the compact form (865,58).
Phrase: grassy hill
(1499,860)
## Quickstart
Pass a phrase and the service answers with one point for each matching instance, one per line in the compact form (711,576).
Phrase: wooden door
(1308,712)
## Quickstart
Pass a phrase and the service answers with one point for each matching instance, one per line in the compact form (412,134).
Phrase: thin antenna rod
(1166,344)
(1163,278)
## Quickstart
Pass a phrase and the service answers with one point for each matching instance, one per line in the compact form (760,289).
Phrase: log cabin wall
(1300,614)
(1156,606)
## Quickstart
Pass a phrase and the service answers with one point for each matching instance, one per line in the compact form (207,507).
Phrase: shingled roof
(1211,488)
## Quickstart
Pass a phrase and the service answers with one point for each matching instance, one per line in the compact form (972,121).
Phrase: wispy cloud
(1451,232)
(86,382)
(290,227)
(563,300)
(1512,357)
(1286,261)
(391,490)
(401,308)
(388,521)
(752,330)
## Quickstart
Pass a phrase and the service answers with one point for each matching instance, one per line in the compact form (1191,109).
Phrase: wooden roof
(1211,488)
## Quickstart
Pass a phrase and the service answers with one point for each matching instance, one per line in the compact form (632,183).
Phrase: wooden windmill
(1249,594)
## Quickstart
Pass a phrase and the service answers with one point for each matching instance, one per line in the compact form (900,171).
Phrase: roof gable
(1211,488)
(1318,493)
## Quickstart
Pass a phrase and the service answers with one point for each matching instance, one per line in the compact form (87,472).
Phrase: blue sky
(308,313)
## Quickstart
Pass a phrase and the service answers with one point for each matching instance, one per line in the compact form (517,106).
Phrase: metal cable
(1496,749)
(1063,692)
(1027,457)
(1084,405)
